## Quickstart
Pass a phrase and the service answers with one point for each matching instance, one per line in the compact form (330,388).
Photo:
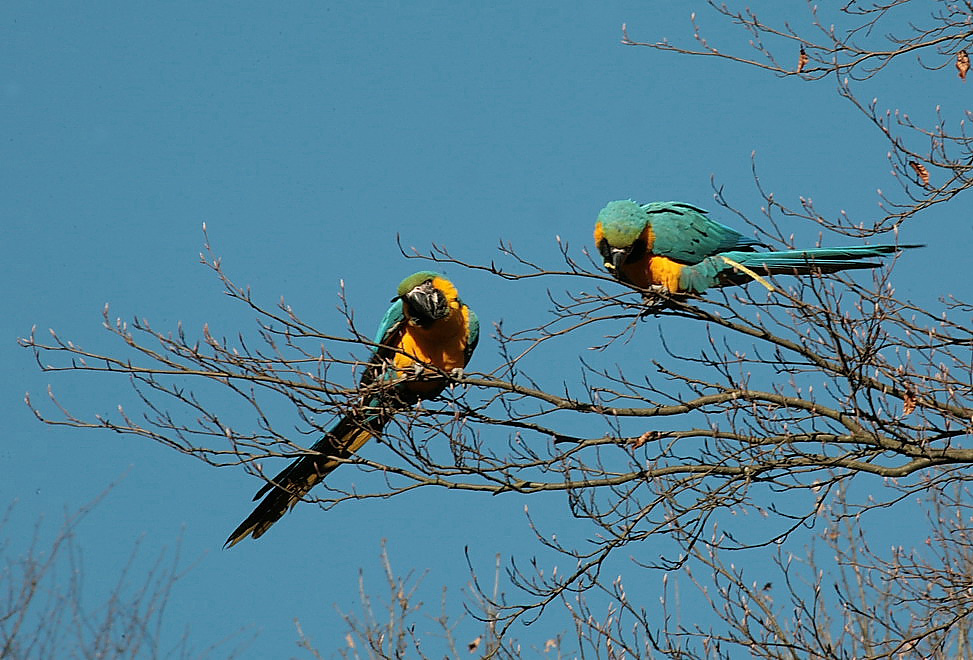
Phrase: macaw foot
(417,370)
(656,298)
(456,372)
(657,291)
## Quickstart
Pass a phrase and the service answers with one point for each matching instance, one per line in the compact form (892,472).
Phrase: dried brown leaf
(475,644)
(920,170)
(802,60)
(908,403)
(645,437)
(962,63)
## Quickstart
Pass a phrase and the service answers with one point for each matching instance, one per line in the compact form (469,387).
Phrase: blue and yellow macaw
(427,327)
(674,248)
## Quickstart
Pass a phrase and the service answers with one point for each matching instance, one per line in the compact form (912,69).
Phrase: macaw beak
(614,257)
(618,257)
(426,304)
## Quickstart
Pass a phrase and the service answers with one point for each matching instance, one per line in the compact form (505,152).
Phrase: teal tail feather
(827,260)
(281,493)
(719,270)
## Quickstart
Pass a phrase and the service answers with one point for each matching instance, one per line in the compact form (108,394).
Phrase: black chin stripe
(637,253)
(605,249)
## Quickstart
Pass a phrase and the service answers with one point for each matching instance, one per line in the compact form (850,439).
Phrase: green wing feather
(472,332)
(394,317)
(684,233)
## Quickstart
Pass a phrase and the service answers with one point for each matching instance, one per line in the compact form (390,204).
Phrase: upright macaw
(427,324)
(675,248)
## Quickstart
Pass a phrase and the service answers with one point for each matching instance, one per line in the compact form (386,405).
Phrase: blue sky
(307,136)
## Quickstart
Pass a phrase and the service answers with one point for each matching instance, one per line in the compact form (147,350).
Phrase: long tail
(720,270)
(293,483)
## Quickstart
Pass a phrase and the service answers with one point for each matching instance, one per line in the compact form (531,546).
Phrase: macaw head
(617,231)
(426,297)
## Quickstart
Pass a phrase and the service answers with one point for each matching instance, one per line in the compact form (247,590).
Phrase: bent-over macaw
(675,248)
(427,325)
